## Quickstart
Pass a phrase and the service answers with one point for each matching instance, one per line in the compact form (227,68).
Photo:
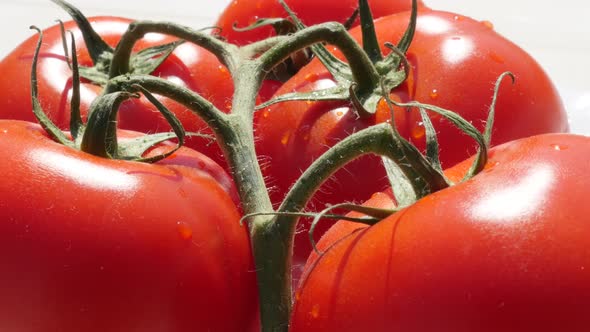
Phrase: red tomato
(91,244)
(245,12)
(189,66)
(455,62)
(504,251)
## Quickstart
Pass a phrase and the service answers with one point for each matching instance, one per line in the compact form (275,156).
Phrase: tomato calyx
(143,62)
(282,27)
(385,74)
(98,136)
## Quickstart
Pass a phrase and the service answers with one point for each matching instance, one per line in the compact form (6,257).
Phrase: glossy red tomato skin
(504,251)
(460,78)
(189,66)
(243,13)
(91,244)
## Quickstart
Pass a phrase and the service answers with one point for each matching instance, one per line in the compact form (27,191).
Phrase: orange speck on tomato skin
(496,57)
(285,138)
(315,311)
(184,230)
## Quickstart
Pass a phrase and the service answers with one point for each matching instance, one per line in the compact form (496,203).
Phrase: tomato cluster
(107,242)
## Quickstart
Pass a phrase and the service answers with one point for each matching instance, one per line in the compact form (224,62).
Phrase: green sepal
(77,126)
(330,94)
(148,60)
(142,62)
(134,148)
(464,126)
(401,186)
(94,43)
(52,130)
(100,136)
(487,134)
(406,40)
(370,42)
(432,147)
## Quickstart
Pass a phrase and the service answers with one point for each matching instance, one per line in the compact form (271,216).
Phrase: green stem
(377,139)
(363,70)
(272,237)
(192,100)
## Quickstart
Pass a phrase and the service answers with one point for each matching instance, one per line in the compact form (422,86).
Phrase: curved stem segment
(136,31)
(363,70)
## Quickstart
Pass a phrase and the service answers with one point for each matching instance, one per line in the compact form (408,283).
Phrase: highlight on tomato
(503,251)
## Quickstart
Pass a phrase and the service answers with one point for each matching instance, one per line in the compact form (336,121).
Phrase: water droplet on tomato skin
(558,147)
(184,230)
(488,24)
(222,69)
(5,131)
(418,131)
(311,77)
(433,94)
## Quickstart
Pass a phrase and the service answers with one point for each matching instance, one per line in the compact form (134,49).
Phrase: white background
(556,33)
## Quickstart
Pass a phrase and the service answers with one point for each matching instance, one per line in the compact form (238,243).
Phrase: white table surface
(557,34)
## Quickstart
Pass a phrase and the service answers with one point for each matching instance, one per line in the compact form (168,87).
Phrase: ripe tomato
(454,61)
(504,251)
(91,244)
(244,13)
(189,66)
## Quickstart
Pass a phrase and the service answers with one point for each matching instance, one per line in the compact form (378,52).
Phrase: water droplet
(5,131)
(488,24)
(418,131)
(315,311)
(222,69)
(458,18)
(285,138)
(558,147)
(434,94)
(496,57)
(184,230)
(311,77)
(265,113)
